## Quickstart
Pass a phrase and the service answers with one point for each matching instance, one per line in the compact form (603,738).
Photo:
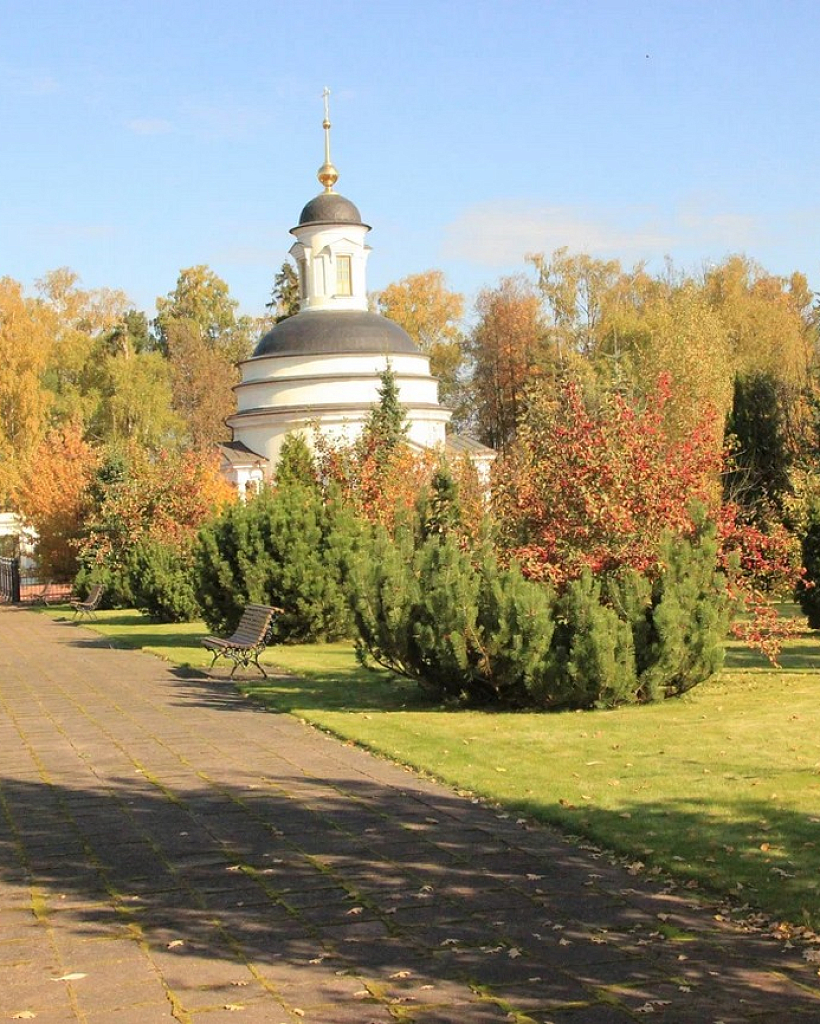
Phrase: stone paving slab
(169,852)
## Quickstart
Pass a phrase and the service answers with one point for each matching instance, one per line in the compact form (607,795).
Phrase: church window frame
(344,275)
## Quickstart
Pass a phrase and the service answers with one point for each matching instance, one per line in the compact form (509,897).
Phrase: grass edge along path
(719,788)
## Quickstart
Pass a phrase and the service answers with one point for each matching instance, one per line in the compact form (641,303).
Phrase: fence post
(10,579)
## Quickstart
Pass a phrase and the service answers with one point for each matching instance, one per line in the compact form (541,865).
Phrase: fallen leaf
(175,944)
(70,977)
(354,911)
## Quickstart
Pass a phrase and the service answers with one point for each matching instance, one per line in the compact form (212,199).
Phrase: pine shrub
(284,548)
(161,580)
(466,629)
(470,630)
(690,616)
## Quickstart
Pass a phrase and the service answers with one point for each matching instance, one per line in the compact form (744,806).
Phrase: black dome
(330,208)
(335,332)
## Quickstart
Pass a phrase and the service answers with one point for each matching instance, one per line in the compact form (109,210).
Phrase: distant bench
(250,638)
(89,606)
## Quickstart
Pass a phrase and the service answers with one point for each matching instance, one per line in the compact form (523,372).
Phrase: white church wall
(269,367)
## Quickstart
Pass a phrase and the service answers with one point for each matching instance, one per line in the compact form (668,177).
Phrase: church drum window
(344,284)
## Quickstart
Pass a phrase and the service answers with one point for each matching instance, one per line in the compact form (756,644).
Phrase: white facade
(332,394)
(320,371)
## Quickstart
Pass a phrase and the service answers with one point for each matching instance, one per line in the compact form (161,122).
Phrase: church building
(320,369)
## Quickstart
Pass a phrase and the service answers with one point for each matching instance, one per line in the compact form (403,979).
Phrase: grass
(721,787)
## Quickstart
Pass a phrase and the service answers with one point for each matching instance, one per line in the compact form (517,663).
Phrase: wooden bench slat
(248,639)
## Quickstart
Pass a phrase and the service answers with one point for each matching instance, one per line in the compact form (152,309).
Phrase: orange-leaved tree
(55,498)
(140,496)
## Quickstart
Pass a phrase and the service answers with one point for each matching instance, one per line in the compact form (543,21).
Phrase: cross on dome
(327,173)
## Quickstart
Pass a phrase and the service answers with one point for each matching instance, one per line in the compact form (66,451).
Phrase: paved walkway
(169,852)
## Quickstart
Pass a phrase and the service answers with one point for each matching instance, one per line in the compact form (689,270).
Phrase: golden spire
(327,173)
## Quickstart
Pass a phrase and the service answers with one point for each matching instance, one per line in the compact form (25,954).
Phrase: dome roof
(335,332)
(330,208)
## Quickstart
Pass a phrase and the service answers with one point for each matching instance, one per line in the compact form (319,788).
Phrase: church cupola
(330,250)
(319,372)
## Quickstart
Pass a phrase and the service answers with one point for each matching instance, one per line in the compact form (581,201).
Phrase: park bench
(89,606)
(43,595)
(250,638)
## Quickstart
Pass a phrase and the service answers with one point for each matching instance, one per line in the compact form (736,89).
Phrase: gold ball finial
(327,173)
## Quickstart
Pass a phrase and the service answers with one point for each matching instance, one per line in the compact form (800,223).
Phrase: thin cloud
(149,126)
(499,234)
(31,83)
(225,121)
(73,232)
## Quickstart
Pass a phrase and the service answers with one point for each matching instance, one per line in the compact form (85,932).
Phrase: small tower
(330,250)
(320,369)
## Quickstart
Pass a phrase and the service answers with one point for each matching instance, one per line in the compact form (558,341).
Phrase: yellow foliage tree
(24,405)
(432,315)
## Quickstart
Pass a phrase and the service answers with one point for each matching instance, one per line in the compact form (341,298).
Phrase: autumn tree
(581,295)
(432,315)
(140,497)
(596,488)
(81,321)
(24,405)
(204,299)
(378,476)
(55,497)
(136,401)
(504,348)
(674,333)
(771,327)
(197,327)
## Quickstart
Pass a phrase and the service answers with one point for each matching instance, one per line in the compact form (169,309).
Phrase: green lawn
(721,786)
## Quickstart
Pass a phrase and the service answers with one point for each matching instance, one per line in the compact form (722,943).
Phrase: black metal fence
(19,585)
(10,580)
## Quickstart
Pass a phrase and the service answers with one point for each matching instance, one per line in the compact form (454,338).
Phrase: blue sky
(142,137)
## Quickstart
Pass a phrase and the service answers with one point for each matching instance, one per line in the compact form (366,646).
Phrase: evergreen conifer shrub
(284,548)
(161,580)
(428,607)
